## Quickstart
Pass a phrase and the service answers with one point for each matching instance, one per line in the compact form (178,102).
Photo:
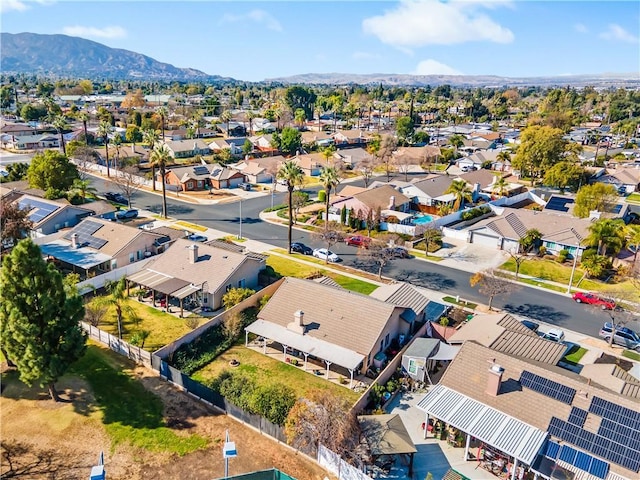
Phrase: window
(241,283)
(227,288)
(140,254)
(132,257)
(386,340)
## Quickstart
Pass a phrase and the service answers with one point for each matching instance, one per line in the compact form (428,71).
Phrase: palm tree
(119,300)
(300,117)
(103,131)
(226,118)
(60,124)
(329,178)
(457,141)
(608,235)
(84,118)
(160,156)
(117,143)
(504,156)
(292,174)
(162,112)
(84,187)
(500,186)
(250,116)
(151,138)
(461,191)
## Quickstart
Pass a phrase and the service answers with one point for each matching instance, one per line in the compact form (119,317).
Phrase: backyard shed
(422,356)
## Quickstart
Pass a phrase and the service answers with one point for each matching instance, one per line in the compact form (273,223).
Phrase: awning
(445,352)
(493,427)
(171,285)
(306,343)
(148,278)
(80,257)
(386,434)
(186,291)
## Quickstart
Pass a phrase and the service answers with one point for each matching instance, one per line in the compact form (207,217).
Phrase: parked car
(196,237)
(116,197)
(358,241)
(245,186)
(594,299)
(530,325)
(398,252)
(624,336)
(324,254)
(555,334)
(298,247)
(127,214)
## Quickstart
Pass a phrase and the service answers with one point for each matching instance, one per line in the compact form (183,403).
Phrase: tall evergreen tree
(39,325)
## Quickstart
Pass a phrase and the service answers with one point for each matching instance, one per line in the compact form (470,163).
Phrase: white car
(324,254)
(554,334)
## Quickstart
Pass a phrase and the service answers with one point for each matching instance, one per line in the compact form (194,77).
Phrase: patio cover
(186,291)
(305,343)
(171,285)
(80,257)
(445,352)
(493,427)
(386,434)
(148,278)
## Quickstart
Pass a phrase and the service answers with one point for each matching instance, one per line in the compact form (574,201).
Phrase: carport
(386,435)
(168,286)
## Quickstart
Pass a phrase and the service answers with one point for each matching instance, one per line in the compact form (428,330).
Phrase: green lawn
(575,354)
(265,370)
(289,267)
(164,328)
(633,198)
(461,303)
(632,355)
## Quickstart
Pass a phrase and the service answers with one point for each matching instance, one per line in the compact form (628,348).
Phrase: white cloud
(257,16)
(364,56)
(580,28)
(94,32)
(617,33)
(431,22)
(433,67)
(21,5)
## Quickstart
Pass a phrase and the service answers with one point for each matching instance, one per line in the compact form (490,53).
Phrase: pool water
(421,218)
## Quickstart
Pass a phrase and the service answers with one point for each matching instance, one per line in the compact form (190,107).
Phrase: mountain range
(65,56)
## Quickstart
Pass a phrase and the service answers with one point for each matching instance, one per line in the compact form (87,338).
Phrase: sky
(254,41)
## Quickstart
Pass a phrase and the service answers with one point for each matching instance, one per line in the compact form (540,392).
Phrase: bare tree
(365,168)
(380,252)
(231,325)
(491,285)
(84,158)
(331,235)
(129,182)
(95,312)
(385,154)
(402,164)
(625,310)
(298,200)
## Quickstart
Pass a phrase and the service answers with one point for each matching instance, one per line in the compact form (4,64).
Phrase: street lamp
(573,269)
(240,236)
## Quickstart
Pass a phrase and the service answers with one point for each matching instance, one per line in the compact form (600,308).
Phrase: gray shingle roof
(403,295)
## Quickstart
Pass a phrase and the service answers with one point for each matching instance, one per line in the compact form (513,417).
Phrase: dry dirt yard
(48,440)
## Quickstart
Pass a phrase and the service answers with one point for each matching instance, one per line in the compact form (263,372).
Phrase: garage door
(510,245)
(234,182)
(484,240)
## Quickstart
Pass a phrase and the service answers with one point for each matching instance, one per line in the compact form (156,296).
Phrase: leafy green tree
(236,295)
(300,97)
(540,148)
(31,112)
(292,175)
(598,196)
(456,141)
(274,401)
(609,235)
(461,191)
(39,320)
(565,174)
(405,130)
(247,147)
(16,171)
(329,178)
(84,187)
(290,141)
(160,157)
(51,170)
(133,134)
(14,222)
(431,236)
(595,265)
(162,112)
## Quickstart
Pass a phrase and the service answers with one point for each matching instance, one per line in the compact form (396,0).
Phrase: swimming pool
(421,218)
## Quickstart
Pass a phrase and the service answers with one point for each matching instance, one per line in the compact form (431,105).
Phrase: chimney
(74,240)
(392,202)
(297,325)
(494,379)
(193,253)
(594,215)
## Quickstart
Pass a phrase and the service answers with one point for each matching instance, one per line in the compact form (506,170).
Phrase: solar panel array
(41,210)
(85,231)
(547,387)
(558,204)
(583,461)
(577,416)
(201,170)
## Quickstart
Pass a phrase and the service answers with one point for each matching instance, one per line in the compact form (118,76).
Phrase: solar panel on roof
(599,468)
(547,387)
(559,204)
(577,416)
(616,208)
(202,170)
(41,210)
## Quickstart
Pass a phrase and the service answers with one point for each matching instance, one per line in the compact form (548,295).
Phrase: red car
(358,241)
(594,299)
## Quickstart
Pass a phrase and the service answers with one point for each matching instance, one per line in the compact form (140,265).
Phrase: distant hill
(77,57)
(391,79)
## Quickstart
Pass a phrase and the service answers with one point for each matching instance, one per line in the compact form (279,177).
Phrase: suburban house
(331,330)
(559,232)
(483,182)
(262,125)
(97,246)
(344,138)
(478,159)
(505,333)
(351,158)
(187,148)
(310,163)
(174,135)
(234,145)
(231,129)
(129,152)
(49,216)
(613,377)
(417,155)
(31,142)
(207,271)
(262,143)
(428,194)
(549,421)
(387,199)
(19,129)
(625,179)
(191,178)
(225,177)
(254,172)
(317,138)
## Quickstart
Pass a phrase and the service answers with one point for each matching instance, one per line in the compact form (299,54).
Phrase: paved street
(527,301)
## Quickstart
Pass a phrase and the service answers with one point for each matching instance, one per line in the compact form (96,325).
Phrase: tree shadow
(538,312)
(172,209)
(22,460)
(430,280)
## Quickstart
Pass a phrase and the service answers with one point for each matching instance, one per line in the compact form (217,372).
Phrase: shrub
(542,251)
(192,322)
(562,255)
(275,208)
(475,212)
(322,196)
(236,295)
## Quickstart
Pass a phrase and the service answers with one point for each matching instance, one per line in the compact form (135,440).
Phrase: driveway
(468,256)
